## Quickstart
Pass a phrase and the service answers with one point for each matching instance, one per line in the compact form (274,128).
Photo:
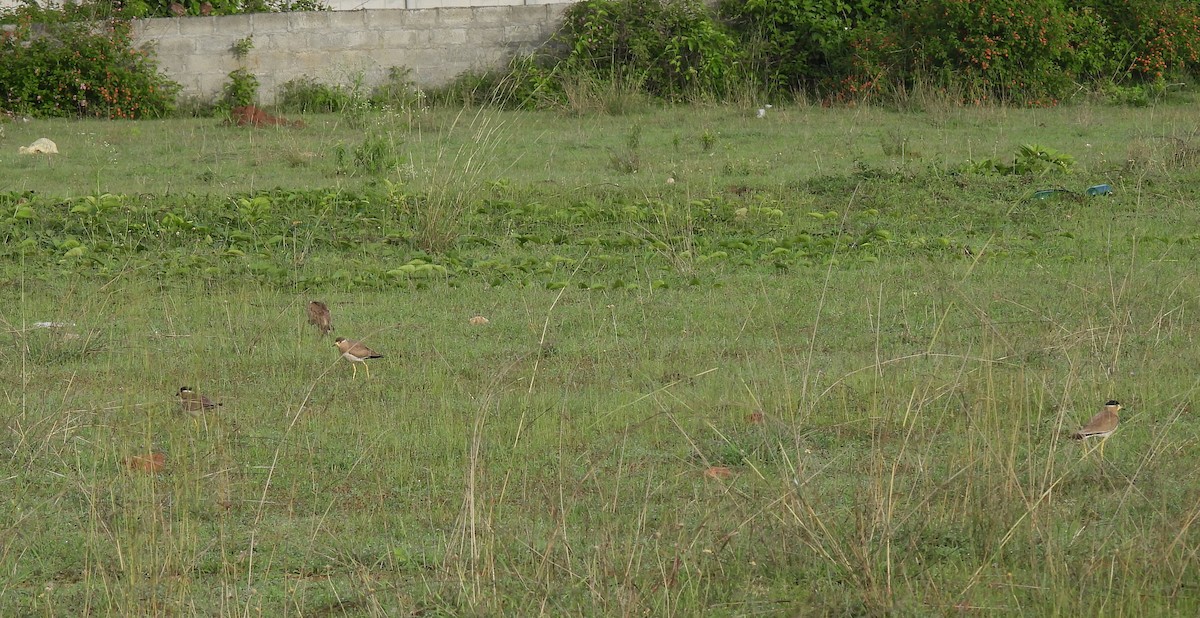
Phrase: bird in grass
(1102,425)
(194,403)
(318,315)
(355,352)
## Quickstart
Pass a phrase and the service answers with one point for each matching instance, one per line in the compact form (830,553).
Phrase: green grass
(571,154)
(919,343)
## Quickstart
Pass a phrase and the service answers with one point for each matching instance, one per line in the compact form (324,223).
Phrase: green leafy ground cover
(916,336)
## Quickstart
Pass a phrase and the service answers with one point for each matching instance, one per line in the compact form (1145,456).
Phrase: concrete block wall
(348,5)
(436,44)
(357,5)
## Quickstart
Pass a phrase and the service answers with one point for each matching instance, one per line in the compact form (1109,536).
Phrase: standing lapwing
(1102,425)
(356,352)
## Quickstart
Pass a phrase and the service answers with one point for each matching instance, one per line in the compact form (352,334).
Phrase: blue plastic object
(1047,193)
(1092,191)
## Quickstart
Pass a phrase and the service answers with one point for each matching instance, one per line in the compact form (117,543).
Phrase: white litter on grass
(762,111)
(52,324)
(40,146)
(59,327)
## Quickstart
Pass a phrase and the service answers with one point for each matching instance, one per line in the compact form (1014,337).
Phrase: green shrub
(1094,54)
(1155,39)
(1031,160)
(162,8)
(529,82)
(1017,50)
(674,47)
(1023,51)
(828,44)
(241,47)
(1034,51)
(305,94)
(376,155)
(52,66)
(241,90)
(614,95)
(471,88)
(398,90)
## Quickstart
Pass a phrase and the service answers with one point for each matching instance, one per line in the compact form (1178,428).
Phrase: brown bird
(1102,425)
(177,9)
(318,315)
(194,403)
(355,352)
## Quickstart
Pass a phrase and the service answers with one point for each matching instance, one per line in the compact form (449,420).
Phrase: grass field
(815,363)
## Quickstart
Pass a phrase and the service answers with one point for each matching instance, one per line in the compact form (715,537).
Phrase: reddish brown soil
(252,116)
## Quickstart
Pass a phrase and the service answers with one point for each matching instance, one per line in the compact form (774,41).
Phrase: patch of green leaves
(1030,159)
(241,47)
(375,155)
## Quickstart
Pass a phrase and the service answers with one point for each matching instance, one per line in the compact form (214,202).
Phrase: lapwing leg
(354,366)
(1102,441)
(368,368)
